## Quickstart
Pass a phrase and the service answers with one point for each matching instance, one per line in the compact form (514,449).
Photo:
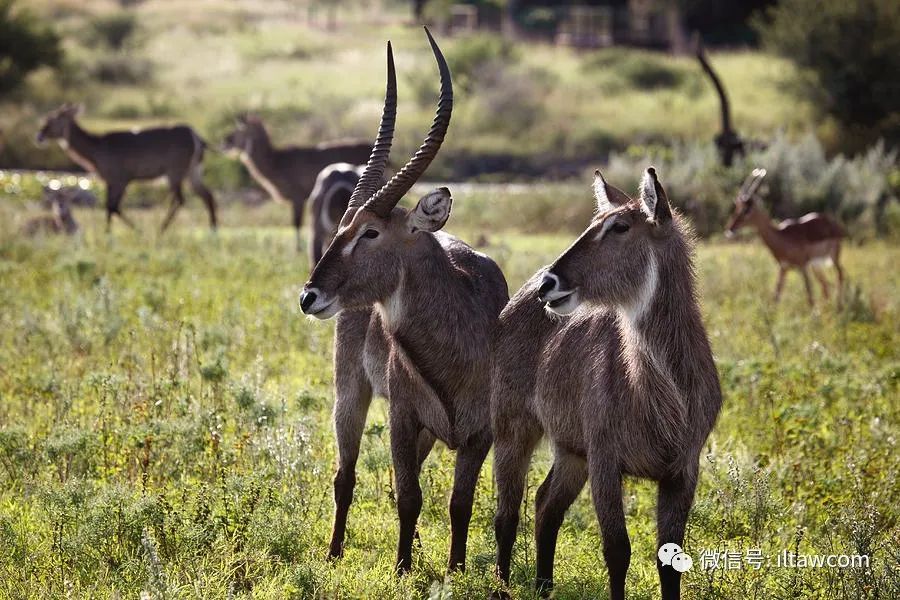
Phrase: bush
(25,45)
(852,52)
(801,179)
(122,70)
(113,31)
(640,69)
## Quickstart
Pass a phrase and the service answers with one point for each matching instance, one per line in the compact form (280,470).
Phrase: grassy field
(205,62)
(165,429)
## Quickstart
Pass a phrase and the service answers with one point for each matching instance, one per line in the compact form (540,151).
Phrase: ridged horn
(388,196)
(371,177)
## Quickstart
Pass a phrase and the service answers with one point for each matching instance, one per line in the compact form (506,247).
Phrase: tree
(852,53)
(25,45)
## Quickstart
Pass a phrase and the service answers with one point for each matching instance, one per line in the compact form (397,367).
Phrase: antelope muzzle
(556,295)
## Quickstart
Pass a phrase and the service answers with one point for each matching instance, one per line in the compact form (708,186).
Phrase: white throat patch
(635,311)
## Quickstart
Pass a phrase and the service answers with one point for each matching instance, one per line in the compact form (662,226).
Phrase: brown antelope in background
(813,240)
(60,220)
(605,353)
(416,308)
(288,174)
(120,157)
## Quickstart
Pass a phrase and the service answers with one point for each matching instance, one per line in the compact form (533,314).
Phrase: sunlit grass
(165,427)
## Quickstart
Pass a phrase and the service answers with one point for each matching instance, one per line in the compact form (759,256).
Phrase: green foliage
(801,178)
(165,421)
(113,30)
(852,50)
(25,44)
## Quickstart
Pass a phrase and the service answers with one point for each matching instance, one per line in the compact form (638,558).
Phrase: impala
(120,157)
(288,174)
(813,240)
(605,353)
(416,308)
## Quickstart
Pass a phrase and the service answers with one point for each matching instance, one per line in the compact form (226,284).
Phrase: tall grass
(165,428)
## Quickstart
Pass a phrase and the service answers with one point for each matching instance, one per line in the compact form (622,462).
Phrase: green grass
(165,428)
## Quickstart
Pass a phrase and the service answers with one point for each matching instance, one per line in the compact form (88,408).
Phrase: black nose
(307,299)
(547,284)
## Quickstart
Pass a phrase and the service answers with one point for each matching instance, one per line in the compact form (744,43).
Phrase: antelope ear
(608,197)
(431,212)
(654,201)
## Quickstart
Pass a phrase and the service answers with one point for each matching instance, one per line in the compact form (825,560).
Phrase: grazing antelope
(288,174)
(416,308)
(60,220)
(120,157)
(813,240)
(605,353)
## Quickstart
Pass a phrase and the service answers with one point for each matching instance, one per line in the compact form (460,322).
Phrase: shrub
(113,31)
(25,45)
(852,52)
(120,69)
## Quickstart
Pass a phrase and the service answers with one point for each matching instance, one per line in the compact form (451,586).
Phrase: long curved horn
(371,176)
(720,89)
(759,174)
(388,196)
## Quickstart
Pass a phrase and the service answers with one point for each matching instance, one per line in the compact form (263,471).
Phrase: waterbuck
(813,240)
(330,197)
(120,157)
(416,308)
(288,174)
(604,351)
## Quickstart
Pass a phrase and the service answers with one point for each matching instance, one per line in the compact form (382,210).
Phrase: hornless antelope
(60,220)
(120,157)
(604,351)
(288,174)
(813,240)
(416,308)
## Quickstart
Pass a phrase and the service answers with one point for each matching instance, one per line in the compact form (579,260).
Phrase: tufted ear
(431,212)
(607,196)
(654,201)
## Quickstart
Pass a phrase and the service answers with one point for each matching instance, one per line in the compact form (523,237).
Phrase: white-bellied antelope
(416,309)
(812,241)
(120,157)
(605,353)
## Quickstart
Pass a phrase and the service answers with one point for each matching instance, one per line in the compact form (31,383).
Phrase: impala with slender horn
(120,157)
(415,309)
(288,173)
(605,353)
(812,241)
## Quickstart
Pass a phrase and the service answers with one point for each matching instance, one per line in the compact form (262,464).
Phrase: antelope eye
(620,227)
(371,234)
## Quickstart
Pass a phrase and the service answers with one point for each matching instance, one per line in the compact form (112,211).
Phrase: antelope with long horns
(728,141)
(288,174)
(810,242)
(416,308)
(605,353)
(120,157)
